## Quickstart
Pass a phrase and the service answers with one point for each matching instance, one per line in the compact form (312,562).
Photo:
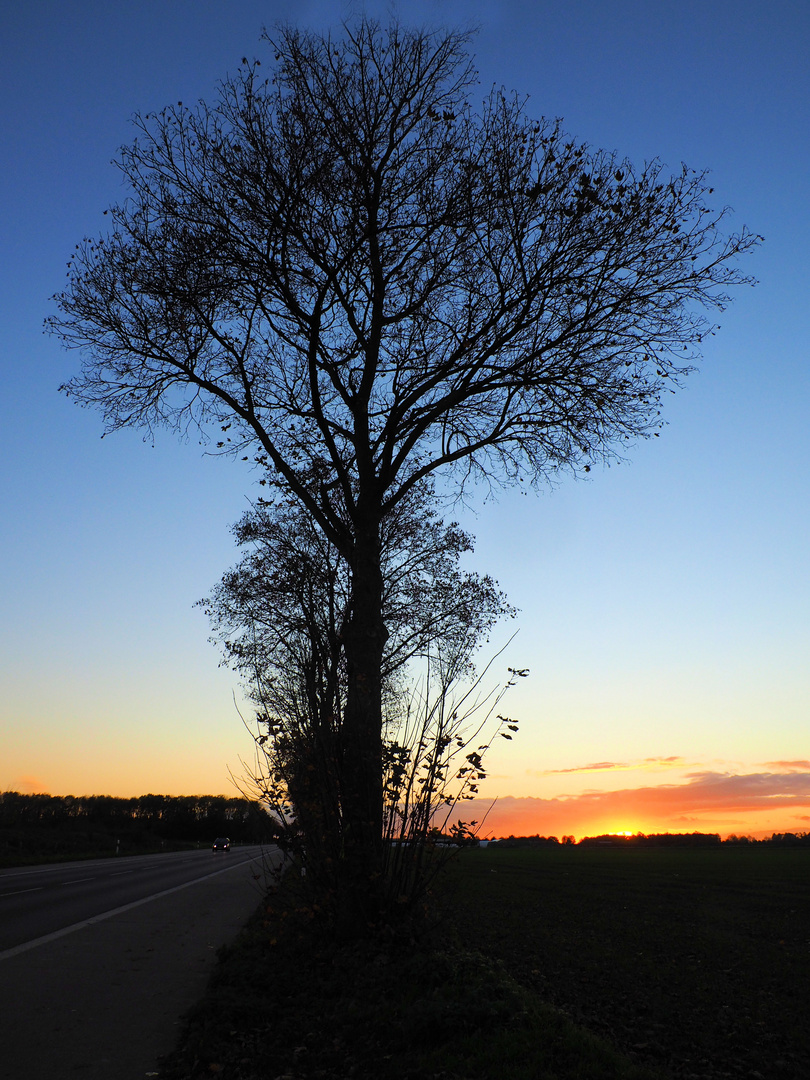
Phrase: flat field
(695,962)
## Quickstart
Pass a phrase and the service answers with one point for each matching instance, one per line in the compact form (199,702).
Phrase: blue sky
(664,603)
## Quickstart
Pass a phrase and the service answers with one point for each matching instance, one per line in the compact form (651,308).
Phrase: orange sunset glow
(758,804)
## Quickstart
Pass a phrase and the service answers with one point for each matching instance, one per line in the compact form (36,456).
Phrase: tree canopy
(352,266)
(281,611)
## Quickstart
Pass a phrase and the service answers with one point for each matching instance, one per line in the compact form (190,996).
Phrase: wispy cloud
(597,766)
(792,766)
(645,764)
(748,791)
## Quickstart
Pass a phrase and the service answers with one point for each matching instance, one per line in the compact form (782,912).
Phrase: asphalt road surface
(42,900)
(99,960)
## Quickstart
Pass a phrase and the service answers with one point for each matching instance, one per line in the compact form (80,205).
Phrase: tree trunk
(364,640)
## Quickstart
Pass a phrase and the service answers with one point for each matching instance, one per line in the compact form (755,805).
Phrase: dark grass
(548,964)
(695,961)
(288,1001)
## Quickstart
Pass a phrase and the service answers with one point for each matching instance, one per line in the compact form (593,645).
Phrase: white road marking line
(76,881)
(18,892)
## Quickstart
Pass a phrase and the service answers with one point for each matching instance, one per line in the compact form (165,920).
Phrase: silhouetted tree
(280,616)
(365,279)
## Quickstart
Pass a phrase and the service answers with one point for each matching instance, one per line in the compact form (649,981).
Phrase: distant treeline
(53,826)
(693,839)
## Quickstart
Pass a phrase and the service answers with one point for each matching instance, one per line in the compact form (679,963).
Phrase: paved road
(101,999)
(42,900)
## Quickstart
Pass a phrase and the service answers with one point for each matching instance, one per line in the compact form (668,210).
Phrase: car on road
(222,843)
